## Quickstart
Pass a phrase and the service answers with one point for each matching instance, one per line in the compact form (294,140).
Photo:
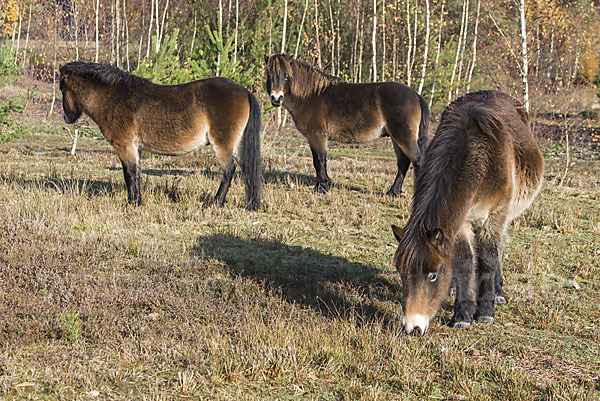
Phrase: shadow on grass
(95,188)
(286,177)
(92,188)
(332,285)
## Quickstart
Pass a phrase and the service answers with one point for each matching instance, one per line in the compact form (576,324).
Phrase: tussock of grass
(179,299)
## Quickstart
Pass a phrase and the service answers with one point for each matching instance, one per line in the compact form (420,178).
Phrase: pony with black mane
(324,106)
(482,169)
(135,114)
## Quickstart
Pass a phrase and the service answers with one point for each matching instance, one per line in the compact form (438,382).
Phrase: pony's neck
(309,81)
(443,191)
(96,103)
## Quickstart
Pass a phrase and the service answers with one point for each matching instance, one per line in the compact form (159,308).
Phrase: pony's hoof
(485,319)
(461,325)
(393,193)
(321,188)
(500,300)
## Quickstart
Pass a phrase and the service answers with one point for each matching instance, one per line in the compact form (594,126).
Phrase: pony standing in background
(324,106)
(135,114)
(482,169)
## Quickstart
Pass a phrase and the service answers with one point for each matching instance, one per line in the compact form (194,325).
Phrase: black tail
(424,135)
(251,159)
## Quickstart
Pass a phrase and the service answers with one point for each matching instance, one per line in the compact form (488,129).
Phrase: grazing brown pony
(135,114)
(324,106)
(481,170)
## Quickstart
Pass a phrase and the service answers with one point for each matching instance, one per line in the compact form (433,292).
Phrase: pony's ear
(266,58)
(398,232)
(438,240)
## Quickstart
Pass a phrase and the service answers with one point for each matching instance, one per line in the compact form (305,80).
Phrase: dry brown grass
(178,299)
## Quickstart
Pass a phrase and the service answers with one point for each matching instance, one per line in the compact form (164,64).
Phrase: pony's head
(279,73)
(423,260)
(70,97)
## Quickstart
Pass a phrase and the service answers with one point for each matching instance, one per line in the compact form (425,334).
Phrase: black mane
(105,74)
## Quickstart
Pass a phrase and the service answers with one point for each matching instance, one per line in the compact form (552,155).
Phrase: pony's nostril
(417,331)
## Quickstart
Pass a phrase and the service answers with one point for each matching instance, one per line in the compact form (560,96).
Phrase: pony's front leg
(130,159)
(489,254)
(318,147)
(462,273)
(499,281)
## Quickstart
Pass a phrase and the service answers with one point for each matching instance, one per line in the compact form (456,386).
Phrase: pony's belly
(357,134)
(179,145)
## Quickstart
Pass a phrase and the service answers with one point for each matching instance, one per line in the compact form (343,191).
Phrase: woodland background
(441,48)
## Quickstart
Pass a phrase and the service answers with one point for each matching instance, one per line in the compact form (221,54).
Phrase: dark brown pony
(135,114)
(324,106)
(481,170)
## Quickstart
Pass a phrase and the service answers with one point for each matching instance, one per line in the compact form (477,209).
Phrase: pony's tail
(251,159)
(424,135)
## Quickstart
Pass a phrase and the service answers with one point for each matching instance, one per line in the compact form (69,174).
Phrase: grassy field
(179,299)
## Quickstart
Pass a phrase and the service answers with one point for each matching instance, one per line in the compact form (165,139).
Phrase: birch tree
(423,69)
(525,60)
(374,40)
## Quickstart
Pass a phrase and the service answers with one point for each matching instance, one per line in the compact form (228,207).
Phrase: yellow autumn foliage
(9,16)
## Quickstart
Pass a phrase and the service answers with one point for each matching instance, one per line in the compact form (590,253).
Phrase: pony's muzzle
(416,324)
(276,98)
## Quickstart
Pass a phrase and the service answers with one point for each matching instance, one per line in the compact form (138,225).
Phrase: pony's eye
(432,277)
(287,78)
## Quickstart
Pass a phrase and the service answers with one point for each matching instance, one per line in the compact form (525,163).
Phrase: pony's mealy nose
(416,324)
(276,100)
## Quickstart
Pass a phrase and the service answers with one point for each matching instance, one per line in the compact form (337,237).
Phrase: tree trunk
(18,36)
(237,27)
(374,41)
(320,62)
(474,48)
(464,45)
(301,27)
(332,39)
(126,23)
(27,36)
(437,56)
(118,33)
(97,31)
(426,47)
(525,61)
(150,28)
(383,39)
(195,30)
(409,49)
(360,49)
(458,47)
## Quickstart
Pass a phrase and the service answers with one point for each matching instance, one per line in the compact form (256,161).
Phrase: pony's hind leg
(463,260)
(130,159)
(226,172)
(318,147)
(403,162)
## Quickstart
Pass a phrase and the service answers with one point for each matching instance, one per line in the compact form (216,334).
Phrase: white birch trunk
(320,62)
(19,36)
(383,49)
(301,28)
(409,50)
(118,33)
(126,34)
(97,31)
(474,60)
(27,36)
(423,70)
(149,43)
(458,47)
(374,41)
(525,60)
(437,57)
(464,45)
